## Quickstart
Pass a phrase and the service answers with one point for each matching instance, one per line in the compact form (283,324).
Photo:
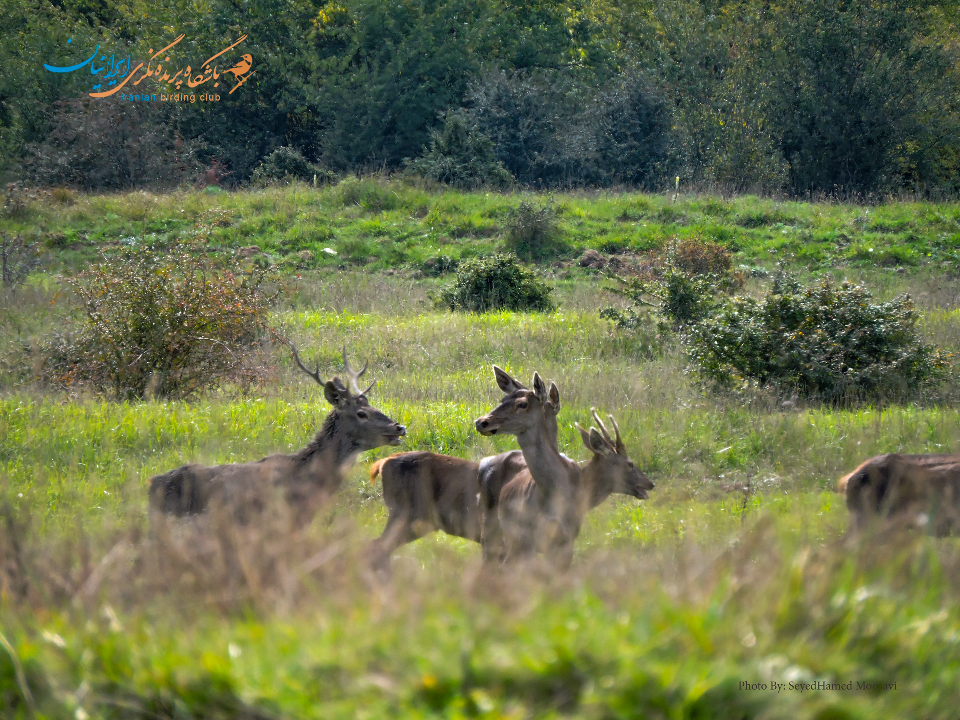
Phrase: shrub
(684,286)
(439,265)
(112,145)
(533,233)
(367,194)
(17,259)
(822,341)
(462,156)
(495,283)
(167,324)
(286,164)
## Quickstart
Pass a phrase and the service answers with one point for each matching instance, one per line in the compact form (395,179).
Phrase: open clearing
(734,571)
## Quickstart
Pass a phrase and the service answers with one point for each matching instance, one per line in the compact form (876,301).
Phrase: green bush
(462,156)
(533,233)
(824,341)
(498,282)
(682,286)
(286,164)
(160,323)
(368,194)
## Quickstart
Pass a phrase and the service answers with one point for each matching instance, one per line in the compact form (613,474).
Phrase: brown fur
(918,490)
(543,506)
(425,492)
(304,480)
(531,523)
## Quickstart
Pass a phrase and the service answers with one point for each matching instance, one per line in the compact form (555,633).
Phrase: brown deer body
(530,523)
(425,492)
(305,479)
(918,490)
(544,506)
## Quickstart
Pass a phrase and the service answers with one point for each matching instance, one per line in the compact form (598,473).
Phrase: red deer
(425,492)
(919,490)
(305,479)
(530,522)
(548,500)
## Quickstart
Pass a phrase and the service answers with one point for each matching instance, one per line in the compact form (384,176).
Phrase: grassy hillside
(735,570)
(389,224)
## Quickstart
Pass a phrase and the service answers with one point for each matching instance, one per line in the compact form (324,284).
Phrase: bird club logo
(122,77)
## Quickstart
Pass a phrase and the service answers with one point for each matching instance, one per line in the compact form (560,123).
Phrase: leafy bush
(682,286)
(823,341)
(462,156)
(533,233)
(439,265)
(495,283)
(286,164)
(165,324)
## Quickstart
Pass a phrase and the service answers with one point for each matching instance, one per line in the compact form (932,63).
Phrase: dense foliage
(162,324)
(498,282)
(817,96)
(823,341)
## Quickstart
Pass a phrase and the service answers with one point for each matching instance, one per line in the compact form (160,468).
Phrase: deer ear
(539,387)
(555,396)
(598,444)
(335,393)
(505,382)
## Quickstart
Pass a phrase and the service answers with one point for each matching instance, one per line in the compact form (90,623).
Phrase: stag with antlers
(425,492)
(305,479)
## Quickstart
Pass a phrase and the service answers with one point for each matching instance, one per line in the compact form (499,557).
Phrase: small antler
(315,374)
(603,428)
(353,376)
(616,428)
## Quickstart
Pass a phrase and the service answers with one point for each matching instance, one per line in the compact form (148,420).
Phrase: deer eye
(522,405)
(362,414)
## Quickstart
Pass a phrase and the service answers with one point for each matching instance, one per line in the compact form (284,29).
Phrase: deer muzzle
(485,426)
(394,438)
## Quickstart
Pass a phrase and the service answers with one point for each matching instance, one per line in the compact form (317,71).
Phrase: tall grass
(736,570)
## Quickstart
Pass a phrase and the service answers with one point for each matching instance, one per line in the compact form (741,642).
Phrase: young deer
(919,490)
(530,523)
(520,413)
(425,492)
(305,479)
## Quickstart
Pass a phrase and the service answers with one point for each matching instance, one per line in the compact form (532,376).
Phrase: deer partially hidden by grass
(543,507)
(425,492)
(910,490)
(305,479)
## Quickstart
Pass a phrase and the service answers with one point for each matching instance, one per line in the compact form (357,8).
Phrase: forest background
(807,97)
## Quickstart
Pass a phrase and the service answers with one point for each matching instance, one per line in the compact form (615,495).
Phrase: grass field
(735,570)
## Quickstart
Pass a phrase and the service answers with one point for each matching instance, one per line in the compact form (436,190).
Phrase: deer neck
(331,451)
(549,470)
(593,489)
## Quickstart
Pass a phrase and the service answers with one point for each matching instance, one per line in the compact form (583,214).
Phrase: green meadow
(736,571)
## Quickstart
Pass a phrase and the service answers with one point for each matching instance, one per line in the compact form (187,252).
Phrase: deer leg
(398,531)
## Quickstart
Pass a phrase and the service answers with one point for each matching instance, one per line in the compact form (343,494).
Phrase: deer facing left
(305,479)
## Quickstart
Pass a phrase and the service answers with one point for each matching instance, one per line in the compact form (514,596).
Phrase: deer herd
(515,504)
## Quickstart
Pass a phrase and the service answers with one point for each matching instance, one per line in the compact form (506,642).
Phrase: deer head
(610,470)
(367,427)
(521,409)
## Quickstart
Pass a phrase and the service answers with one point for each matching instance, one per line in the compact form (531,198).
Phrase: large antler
(315,374)
(353,376)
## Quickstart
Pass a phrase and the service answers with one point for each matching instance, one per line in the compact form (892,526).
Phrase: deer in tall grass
(543,506)
(305,479)
(425,492)
(912,490)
